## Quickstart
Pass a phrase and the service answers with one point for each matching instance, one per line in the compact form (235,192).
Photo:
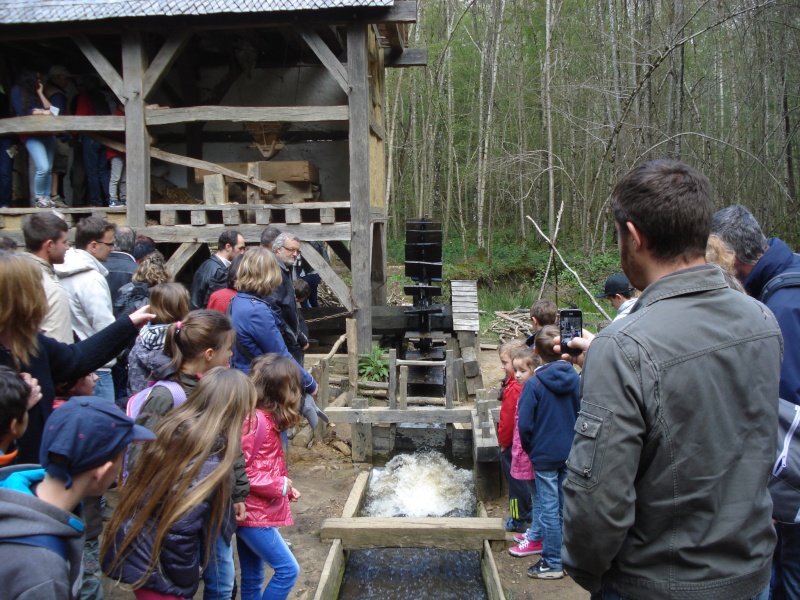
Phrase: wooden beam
(376,128)
(329,276)
(361,237)
(192,162)
(332,573)
(351,327)
(410,57)
(325,56)
(272,205)
(491,577)
(251,233)
(181,257)
(358,493)
(137,140)
(49,123)
(342,251)
(103,67)
(394,37)
(164,59)
(443,533)
(361,435)
(291,114)
(377,415)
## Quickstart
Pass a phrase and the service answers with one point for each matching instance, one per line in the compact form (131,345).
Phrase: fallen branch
(336,346)
(550,255)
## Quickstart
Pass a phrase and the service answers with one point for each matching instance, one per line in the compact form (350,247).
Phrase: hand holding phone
(571,326)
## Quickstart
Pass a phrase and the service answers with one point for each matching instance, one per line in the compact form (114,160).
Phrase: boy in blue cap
(82,449)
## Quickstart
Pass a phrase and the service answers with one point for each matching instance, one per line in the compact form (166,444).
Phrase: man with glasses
(287,249)
(213,273)
(83,275)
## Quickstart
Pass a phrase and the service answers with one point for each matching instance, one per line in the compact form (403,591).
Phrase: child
(543,312)
(174,506)
(518,494)
(77,387)
(195,346)
(279,388)
(41,540)
(524,362)
(14,394)
(548,409)
(170,303)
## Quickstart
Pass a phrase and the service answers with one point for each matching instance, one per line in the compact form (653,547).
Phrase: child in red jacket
(519,499)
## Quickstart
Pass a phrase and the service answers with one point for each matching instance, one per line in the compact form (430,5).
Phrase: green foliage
(372,366)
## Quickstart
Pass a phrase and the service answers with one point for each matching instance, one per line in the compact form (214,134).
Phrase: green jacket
(666,492)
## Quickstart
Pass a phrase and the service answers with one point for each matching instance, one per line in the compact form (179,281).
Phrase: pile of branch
(511,325)
(326,296)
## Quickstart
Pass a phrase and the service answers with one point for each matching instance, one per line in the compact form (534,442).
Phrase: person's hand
(294,495)
(306,346)
(141,316)
(315,392)
(40,88)
(36,389)
(582,343)
(240,511)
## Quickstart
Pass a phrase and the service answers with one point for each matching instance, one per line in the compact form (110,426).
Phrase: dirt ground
(325,476)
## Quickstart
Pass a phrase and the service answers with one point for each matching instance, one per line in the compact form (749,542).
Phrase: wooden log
(239,114)
(33,124)
(361,434)
(358,493)
(215,190)
(443,533)
(402,402)
(472,367)
(425,401)
(421,414)
(421,363)
(332,572)
(303,437)
(352,357)
(393,378)
(181,257)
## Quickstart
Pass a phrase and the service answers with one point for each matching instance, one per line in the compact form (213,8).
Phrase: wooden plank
(361,237)
(424,401)
(327,216)
(352,357)
(392,378)
(251,233)
(49,124)
(410,57)
(215,190)
(231,217)
(450,383)
(292,216)
(421,363)
(498,545)
(402,402)
(103,67)
(491,577)
(325,56)
(332,572)
(443,533)
(323,381)
(328,275)
(240,114)
(342,251)
(421,414)
(253,192)
(166,56)
(263,216)
(181,257)
(137,140)
(198,218)
(361,434)
(460,379)
(168,218)
(185,207)
(358,493)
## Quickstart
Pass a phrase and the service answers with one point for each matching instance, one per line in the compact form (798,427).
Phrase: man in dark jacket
(213,274)
(287,248)
(666,492)
(120,264)
(758,261)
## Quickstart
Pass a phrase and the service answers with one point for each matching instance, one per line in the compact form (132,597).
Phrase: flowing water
(423,484)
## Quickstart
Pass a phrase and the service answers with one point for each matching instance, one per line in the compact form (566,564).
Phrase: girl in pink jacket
(279,387)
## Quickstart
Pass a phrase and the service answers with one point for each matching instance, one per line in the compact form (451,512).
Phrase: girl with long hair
(279,388)
(173,507)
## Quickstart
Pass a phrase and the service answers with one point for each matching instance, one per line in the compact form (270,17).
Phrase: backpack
(784,481)
(132,296)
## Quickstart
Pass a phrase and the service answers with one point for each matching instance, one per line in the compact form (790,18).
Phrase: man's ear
(637,238)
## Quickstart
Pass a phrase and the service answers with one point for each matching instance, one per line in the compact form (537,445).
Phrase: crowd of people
(644,476)
(110,371)
(63,169)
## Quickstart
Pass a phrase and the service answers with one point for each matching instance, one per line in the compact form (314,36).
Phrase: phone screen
(571,321)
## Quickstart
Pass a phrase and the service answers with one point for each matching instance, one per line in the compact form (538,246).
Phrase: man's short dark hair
(124,239)
(91,229)
(229,236)
(670,203)
(14,394)
(41,227)
(737,227)
(268,236)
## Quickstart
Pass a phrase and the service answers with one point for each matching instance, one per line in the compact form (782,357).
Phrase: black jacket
(283,297)
(210,277)
(121,267)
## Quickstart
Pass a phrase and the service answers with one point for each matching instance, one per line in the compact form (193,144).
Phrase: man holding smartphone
(666,492)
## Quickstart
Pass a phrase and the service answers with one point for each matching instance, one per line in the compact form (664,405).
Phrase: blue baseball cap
(88,432)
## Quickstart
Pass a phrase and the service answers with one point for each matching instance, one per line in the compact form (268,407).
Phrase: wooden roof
(61,11)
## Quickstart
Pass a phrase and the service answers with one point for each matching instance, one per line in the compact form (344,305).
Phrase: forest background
(532,107)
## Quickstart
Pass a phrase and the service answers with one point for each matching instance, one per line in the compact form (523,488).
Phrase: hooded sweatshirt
(32,572)
(84,278)
(548,408)
(146,357)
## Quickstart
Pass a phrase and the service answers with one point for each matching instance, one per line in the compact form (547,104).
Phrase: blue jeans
(104,386)
(219,574)
(785,584)
(609,594)
(98,174)
(41,151)
(534,532)
(6,170)
(259,545)
(549,491)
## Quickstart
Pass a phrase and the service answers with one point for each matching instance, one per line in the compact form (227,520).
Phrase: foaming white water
(423,484)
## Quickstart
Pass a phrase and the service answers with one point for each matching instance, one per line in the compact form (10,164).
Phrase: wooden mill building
(283,97)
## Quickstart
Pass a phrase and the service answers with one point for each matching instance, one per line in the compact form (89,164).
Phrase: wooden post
(449,380)
(392,378)
(361,434)
(137,140)
(215,190)
(378,270)
(360,240)
(352,358)
(403,401)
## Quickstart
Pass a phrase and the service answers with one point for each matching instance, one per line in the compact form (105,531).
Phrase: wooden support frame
(410,57)
(240,114)
(48,124)
(164,59)
(102,66)
(329,276)
(325,56)
(181,257)
(210,233)
(137,140)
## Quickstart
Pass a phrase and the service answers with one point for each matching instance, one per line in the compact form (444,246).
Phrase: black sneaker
(541,570)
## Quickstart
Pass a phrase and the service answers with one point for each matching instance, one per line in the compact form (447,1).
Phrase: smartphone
(571,324)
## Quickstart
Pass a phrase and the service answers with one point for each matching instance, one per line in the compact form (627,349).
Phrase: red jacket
(267,506)
(508,410)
